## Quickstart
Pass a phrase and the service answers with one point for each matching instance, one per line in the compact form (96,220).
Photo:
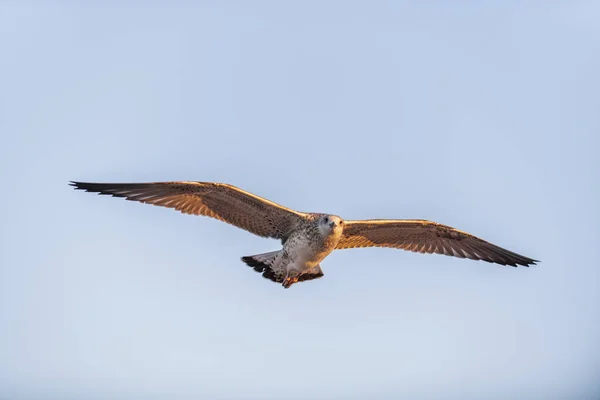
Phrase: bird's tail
(267,264)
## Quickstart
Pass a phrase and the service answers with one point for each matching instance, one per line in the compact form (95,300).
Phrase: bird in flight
(307,238)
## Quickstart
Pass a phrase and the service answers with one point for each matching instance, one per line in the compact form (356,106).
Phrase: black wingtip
(90,187)
(76,185)
(527,263)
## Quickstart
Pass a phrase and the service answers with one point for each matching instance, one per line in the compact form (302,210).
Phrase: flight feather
(224,202)
(425,237)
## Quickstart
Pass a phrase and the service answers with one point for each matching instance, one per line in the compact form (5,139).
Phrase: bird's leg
(291,277)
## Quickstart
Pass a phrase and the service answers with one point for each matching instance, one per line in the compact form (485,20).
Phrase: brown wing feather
(224,202)
(426,237)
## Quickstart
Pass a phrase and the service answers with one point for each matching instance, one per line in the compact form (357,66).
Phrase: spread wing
(426,237)
(224,202)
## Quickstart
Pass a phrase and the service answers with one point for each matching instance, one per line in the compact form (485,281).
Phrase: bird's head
(330,224)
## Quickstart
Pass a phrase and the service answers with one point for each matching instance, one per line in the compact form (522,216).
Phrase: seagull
(306,238)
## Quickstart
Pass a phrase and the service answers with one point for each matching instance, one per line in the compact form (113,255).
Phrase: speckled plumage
(307,238)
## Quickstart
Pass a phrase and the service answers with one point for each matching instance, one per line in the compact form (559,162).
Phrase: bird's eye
(326,220)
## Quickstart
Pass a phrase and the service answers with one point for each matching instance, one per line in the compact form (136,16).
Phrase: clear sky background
(482,116)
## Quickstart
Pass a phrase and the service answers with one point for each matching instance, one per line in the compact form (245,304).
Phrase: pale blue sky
(483,116)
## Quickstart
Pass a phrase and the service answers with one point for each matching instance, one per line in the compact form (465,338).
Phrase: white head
(330,225)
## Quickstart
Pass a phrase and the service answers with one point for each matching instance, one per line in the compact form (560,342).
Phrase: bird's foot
(289,280)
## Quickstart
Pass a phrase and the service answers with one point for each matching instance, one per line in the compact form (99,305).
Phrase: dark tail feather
(264,263)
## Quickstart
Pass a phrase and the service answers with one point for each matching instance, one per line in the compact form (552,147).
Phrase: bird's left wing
(224,202)
(426,237)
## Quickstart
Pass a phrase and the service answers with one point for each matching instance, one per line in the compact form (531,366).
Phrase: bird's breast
(310,247)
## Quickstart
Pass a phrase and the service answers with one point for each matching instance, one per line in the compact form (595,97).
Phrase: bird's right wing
(425,237)
(224,202)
